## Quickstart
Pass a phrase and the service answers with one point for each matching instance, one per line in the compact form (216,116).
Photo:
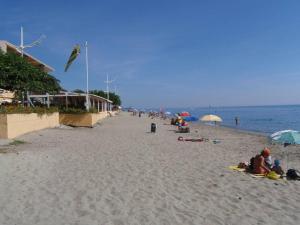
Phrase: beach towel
(191,139)
(258,175)
(272,175)
(236,168)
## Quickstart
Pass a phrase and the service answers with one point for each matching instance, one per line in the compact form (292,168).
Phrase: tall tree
(112,96)
(16,74)
(79,91)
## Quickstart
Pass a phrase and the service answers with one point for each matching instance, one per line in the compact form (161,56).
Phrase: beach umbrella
(286,137)
(211,118)
(185,114)
(190,118)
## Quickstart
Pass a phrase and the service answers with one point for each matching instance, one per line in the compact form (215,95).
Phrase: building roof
(9,47)
(72,94)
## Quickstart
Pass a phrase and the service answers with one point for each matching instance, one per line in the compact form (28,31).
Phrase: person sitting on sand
(269,162)
(259,164)
(178,120)
(277,168)
(184,123)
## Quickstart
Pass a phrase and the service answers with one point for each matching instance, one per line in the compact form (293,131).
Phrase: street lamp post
(22,47)
(107,85)
(35,43)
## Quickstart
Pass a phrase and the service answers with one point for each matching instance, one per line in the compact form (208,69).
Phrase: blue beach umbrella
(286,137)
(190,118)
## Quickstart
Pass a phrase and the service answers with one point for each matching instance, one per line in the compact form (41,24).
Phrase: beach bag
(184,130)
(273,175)
(251,164)
(153,127)
(293,174)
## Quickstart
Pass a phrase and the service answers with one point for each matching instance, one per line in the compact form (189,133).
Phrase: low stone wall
(81,120)
(96,117)
(13,125)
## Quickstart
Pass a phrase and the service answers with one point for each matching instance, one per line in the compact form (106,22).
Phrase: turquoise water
(264,119)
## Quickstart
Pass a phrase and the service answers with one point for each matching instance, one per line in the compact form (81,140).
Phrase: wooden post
(28,100)
(48,100)
(23,98)
(66,100)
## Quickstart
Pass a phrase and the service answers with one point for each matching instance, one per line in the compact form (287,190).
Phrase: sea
(262,119)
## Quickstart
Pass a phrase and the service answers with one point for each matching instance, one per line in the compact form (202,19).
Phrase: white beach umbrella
(286,137)
(279,133)
(211,118)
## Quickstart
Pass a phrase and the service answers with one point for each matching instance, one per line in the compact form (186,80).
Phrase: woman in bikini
(259,165)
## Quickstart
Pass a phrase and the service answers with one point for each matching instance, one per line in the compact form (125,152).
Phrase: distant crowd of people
(260,164)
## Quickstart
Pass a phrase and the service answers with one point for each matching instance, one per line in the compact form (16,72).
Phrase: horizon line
(210,106)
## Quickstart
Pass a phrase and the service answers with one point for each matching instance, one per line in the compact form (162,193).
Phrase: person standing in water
(237,121)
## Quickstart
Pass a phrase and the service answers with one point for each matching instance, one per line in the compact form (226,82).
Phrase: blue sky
(169,53)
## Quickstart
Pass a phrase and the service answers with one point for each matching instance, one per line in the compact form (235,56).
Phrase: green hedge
(77,110)
(42,110)
(27,110)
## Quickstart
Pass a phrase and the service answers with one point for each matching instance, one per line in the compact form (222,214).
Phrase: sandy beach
(118,173)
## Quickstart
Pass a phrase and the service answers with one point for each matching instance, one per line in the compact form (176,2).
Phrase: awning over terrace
(70,99)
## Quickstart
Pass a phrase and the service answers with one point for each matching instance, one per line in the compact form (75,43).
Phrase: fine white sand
(119,173)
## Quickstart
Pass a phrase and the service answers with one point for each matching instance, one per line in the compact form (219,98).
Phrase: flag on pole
(73,56)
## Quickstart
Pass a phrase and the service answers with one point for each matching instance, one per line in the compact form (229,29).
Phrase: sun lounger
(183,129)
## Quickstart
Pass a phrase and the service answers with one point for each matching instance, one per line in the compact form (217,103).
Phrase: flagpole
(22,42)
(107,87)
(87,77)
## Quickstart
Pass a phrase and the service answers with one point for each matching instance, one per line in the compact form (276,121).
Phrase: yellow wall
(13,125)
(98,116)
(3,126)
(81,120)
